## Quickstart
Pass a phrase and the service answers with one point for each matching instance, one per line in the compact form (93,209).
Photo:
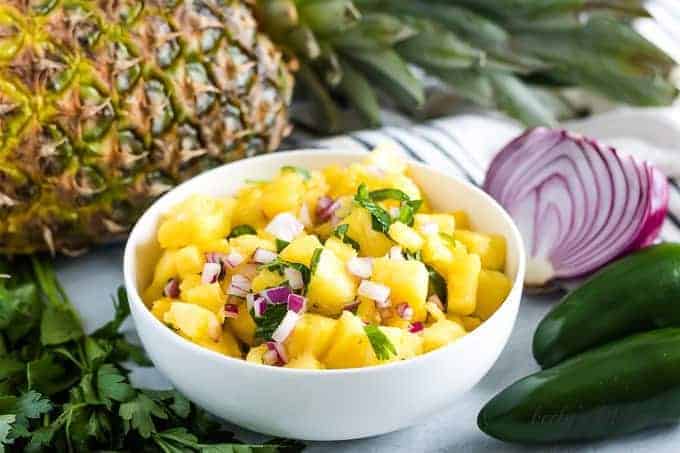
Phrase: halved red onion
(211,272)
(578,204)
(239,286)
(396,254)
(405,311)
(277,295)
(361,267)
(416,327)
(294,277)
(264,256)
(374,291)
(259,306)
(285,328)
(231,311)
(430,228)
(233,259)
(285,226)
(171,289)
(275,354)
(297,303)
(326,207)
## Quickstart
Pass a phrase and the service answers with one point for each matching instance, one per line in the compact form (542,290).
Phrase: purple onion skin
(536,142)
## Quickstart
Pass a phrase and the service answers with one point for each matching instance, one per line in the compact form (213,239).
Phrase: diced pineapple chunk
(306,362)
(283,194)
(350,347)
(440,334)
(471,323)
(200,218)
(218,245)
(255,354)
(461,283)
(405,236)
(386,158)
(489,247)
(266,279)
(343,251)
(166,268)
(371,242)
(160,307)
(408,282)
(189,260)
(190,281)
(492,290)
(248,208)
(446,223)
(462,220)
(246,244)
(341,181)
(331,286)
(367,311)
(193,321)
(301,249)
(440,253)
(243,325)
(227,344)
(209,296)
(312,335)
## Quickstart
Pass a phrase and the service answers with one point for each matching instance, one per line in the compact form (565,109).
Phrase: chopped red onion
(416,327)
(361,267)
(279,353)
(264,256)
(437,301)
(215,257)
(211,272)
(430,228)
(277,295)
(578,205)
(231,311)
(259,306)
(171,289)
(294,278)
(405,311)
(374,291)
(285,227)
(395,253)
(326,207)
(233,259)
(286,326)
(239,286)
(304,216)
(296,303)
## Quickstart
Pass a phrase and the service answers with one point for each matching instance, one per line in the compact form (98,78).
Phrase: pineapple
(331,286)
(493,288)
(407,280)
(266,279)
(312,336)
(193,321)
(189,260)
(305,361)
(343,251)
(462,282)
(446,223)
(350,347)
(441,333)
(209,296)
(371,242)
(489,247)
(301,249)
(243,325)
(283,194)
(405,236)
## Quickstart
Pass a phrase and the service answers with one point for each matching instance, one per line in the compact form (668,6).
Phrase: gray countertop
(90,281)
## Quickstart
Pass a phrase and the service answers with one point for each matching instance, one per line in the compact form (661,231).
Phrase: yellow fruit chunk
(209,296)
(440,334)
(266,279)
(283,194)
(246,244)
(461,283)
(367,311)
(255,354)
(462,219)
(408,345)
(243,325)
(371,242)
(190,281)
(350,347)
(407,280)
(331,286)
(199,218)
(300,250)
(489,247)
(446,223)
(306,362)
(312,335)
(471,323)
(248,208)
(227,344)
(166,268)
(492,290)
(340,181)
(405,236)
(193,321)
(343,251)
(216,245)
(189,260)
(439,252)
(160,307)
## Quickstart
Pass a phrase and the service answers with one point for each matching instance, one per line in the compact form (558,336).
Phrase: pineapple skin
(105,105)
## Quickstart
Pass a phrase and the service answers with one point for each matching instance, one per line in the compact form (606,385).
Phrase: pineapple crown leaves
(514,55)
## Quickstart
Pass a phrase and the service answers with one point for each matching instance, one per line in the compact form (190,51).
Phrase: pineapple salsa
(339,268)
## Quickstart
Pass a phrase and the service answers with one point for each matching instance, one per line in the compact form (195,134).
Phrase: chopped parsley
(408,210)
(306,175)
(341,233)
(266,324)
(380,218)
(437,285)
(279,265)
(280,245)
(388,194)
(382,346)
(240,230)
(314,263)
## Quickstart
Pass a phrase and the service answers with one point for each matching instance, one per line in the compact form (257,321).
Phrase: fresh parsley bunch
(63,390)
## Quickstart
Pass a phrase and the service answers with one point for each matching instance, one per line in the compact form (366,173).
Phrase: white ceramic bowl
(328,404)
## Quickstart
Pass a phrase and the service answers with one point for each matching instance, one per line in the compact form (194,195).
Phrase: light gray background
(91,280)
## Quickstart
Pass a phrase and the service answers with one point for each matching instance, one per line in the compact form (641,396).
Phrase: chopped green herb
(437,285)
(316,257)
(279,265)
(266,324)
(281,244)
(380,219)
(240,230)
(388,194)
(382,346)
(414,256)
(341,233)
(300,171)
(408,210)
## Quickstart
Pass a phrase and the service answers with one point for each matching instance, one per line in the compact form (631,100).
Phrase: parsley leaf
(388,194)
(382,346)
(6,422)
(408,210)
(314,262)
(266,324)
(380,219)
(341,233)
(137,415)
(278,265)
(280,245)
(306,175)
(240,230)
(437,285)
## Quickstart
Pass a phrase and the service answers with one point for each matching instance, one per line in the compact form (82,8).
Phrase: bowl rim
(129,274)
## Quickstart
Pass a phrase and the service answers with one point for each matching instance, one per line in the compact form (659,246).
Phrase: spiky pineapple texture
(106,104)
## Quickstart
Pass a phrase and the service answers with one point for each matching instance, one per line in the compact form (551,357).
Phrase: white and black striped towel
(465,144)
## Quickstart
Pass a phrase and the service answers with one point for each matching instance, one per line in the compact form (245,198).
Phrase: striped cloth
(464,145)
